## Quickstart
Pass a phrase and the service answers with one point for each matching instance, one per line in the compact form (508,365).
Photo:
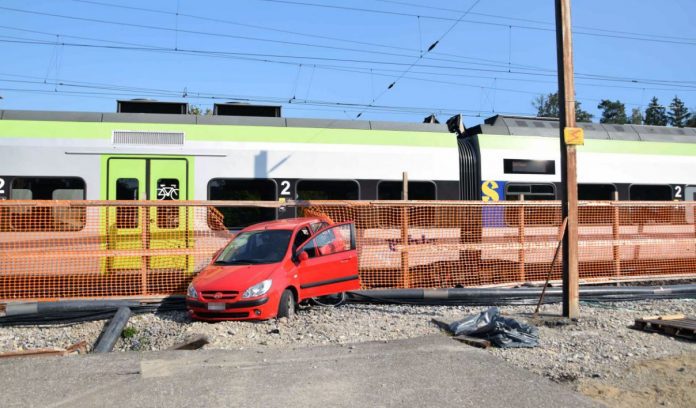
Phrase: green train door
(137,228)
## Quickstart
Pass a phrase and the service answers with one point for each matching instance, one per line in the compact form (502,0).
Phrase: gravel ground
(600,346)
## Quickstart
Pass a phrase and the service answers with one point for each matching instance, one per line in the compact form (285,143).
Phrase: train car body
(521,157)
(138,156)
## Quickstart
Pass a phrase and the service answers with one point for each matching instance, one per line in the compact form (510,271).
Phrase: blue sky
(331,62)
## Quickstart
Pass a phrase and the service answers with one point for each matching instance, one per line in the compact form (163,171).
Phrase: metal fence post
(616,235)
(521,239)
(144,220)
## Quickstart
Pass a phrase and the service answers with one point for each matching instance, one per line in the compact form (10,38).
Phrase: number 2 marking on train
(678,192)
(2,186)
(285,185)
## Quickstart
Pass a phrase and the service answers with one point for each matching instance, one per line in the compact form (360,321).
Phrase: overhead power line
(586,32)
(283,59)
(124,90)
(266,40)
(541,22)
(430,48)
(340,68)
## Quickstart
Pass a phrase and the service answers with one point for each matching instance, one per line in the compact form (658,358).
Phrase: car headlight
(258,289)
(191,292)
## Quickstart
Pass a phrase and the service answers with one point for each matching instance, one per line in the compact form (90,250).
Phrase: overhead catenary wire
(585,31)
(256,56)
(456,21)
(178,30)
(430,48)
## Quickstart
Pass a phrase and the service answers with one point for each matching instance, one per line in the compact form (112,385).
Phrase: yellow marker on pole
(574,136)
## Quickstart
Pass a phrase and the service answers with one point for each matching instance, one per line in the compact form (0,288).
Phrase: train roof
(219,120)
(548,127)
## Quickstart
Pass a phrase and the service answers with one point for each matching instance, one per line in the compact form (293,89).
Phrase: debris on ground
(191,343)
(112,331)
(79,347)
(489,325)
(678,325)
(473,341)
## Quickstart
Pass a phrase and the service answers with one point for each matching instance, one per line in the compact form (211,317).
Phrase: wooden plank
(191,343)
(42,352)
(473,341)
(672,326)
(665,317)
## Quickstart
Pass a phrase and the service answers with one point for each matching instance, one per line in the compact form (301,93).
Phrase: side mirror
(302,256)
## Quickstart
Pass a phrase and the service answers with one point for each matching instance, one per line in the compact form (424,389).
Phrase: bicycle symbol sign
(165,192)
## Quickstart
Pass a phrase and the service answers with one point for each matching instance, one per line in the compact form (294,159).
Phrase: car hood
(232,277)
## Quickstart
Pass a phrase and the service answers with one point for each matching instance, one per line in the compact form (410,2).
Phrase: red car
(268,268)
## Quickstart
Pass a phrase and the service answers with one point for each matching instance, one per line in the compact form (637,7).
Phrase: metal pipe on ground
(495,296)
(16,309)
(112,331)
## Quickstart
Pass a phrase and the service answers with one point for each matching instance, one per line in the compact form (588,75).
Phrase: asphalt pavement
(433,371)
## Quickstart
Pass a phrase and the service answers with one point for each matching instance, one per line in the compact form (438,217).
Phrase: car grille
(221,315)
(224,294)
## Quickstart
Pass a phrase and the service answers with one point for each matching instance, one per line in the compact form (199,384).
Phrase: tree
(678,113)
(692,120)
(612,112)
(547,107)
(655,114)
(196,110)
(636,116)
(582,115)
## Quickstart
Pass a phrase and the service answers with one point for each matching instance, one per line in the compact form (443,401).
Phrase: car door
(331,265)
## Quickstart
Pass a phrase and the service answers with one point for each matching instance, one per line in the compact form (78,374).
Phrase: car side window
(310,249)
(302,235)
(319,225)
(328,242)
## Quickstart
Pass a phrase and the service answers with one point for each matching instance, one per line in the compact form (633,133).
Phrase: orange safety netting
(100,249)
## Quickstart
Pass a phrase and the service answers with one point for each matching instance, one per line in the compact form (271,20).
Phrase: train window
(244,190)
(417,190)
(47,218)
(43,188)
(596,191)
(328,190)
(522,166)
(513,191)
(690,193)
(650,192)
(127,189)
(167,190)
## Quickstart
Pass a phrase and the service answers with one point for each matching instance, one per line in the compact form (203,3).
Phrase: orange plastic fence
(98,249)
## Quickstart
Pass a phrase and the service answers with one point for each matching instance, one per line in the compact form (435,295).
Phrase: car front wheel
(286,307)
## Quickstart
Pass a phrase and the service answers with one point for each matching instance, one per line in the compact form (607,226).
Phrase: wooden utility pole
(569,181)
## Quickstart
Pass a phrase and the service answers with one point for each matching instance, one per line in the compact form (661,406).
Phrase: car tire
(286,306)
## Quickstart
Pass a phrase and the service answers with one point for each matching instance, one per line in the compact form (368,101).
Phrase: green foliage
(196,110)
(678,113)
(612,112)
(692,120)
(636,117)
(547,107)
(129,332)
(582,115)
(655,114)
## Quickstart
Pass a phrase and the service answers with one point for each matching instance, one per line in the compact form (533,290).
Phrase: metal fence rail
(104,249)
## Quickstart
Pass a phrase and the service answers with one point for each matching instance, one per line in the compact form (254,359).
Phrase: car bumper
(255,309)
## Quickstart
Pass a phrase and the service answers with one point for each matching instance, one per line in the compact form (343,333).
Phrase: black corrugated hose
(69,312)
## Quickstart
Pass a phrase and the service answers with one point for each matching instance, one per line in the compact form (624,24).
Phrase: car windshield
(256,247)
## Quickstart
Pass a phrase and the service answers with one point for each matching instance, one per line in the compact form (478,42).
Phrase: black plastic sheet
(502,331)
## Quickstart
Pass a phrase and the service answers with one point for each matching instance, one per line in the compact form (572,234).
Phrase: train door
(137,228)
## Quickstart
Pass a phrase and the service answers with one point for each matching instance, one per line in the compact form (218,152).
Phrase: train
(150,150)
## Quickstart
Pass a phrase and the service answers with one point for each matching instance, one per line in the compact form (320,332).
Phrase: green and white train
(132,155)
